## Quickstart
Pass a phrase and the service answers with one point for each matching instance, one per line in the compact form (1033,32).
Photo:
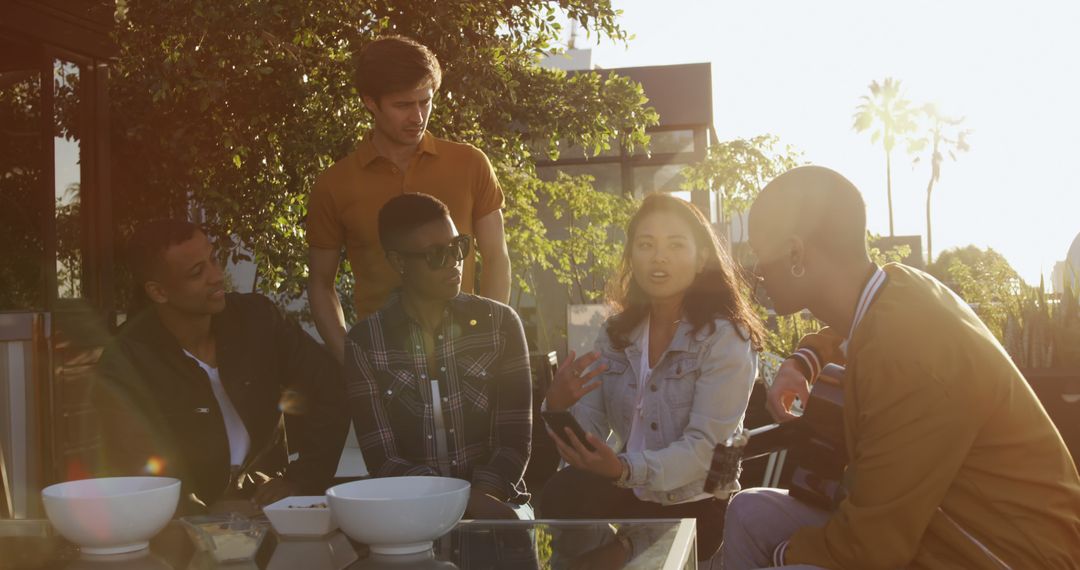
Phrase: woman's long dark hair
(715,292)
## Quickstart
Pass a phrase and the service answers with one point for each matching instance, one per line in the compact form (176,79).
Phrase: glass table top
(653,544)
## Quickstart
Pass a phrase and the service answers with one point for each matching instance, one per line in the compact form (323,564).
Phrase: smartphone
(558,421)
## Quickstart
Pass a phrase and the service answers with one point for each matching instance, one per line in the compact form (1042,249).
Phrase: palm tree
(945,136)
(891,116)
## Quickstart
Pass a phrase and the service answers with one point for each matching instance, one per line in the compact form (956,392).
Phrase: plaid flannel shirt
(482,367)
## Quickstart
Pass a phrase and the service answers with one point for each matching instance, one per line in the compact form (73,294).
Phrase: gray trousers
(757,521)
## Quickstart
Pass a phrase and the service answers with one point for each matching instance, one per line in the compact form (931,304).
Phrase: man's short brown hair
(395,63)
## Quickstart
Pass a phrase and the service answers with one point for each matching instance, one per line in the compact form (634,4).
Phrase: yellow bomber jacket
(954,462)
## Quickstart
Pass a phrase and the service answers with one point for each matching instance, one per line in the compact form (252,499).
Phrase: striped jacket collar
(869,293)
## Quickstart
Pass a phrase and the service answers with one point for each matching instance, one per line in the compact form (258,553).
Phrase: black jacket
(159,414)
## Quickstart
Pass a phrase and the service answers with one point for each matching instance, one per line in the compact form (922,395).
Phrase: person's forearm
(513,414)
(821,348)
(329,318)
(318,433)
(495,278)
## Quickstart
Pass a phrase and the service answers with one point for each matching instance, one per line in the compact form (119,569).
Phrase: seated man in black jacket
(203,385)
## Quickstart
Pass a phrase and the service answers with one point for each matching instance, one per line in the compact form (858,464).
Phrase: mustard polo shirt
(343,209)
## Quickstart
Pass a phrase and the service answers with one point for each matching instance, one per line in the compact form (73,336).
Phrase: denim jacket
(695,399)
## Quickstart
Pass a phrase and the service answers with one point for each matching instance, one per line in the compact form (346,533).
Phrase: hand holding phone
(559,421)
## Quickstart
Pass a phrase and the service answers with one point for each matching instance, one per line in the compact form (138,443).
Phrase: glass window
(669,142)
(607,177)
(568,151)
(68,179)
(649,179)
(714,208)
(22,237)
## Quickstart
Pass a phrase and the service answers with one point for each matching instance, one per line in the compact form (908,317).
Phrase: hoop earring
(798,273)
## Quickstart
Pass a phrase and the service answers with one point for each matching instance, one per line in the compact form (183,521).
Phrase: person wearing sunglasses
(438,380)
(398,80)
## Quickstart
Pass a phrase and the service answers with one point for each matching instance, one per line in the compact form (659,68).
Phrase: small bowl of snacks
(227,537)
(301,516)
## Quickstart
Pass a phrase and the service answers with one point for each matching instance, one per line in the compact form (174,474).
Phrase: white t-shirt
(239,440)
(442,447)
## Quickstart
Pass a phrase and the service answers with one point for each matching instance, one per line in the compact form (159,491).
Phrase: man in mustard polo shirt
(397,78)
(953,462)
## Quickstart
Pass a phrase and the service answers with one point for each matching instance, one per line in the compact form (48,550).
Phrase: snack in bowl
(228,537)
(301,516)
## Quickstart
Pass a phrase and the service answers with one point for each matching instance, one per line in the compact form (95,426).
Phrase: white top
(239,440)
(635,442)
(442,447)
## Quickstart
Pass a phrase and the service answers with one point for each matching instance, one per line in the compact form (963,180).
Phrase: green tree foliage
(1039,330)
(738,169)
(588,254)
(983,278)
(942,136)
(889,116)
(235,107)
(783,333)
(21,178)
(895,254)
(1042,331)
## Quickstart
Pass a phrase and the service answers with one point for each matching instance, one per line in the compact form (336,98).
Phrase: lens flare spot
(292,403)
(154,466)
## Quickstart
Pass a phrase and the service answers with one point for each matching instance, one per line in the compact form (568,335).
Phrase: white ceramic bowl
(398,515)
(111,515)
(299,516)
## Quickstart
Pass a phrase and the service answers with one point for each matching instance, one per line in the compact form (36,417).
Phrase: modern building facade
(682,97)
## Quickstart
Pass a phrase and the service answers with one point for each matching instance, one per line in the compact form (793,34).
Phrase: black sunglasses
(438,256)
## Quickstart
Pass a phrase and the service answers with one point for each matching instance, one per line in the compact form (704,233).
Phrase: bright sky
(796,69)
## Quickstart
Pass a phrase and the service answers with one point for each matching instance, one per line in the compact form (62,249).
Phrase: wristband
(625,475)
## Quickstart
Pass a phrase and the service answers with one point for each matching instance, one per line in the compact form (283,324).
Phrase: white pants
(757,521)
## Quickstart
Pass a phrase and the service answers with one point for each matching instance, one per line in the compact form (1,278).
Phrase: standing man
(397,78)
(438,380)
(953,462)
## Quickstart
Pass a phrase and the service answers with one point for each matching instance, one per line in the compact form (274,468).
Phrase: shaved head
(814,204)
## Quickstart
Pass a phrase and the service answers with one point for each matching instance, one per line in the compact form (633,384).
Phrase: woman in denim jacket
(676,364)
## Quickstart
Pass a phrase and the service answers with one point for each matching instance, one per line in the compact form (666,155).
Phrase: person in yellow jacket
(953,462)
